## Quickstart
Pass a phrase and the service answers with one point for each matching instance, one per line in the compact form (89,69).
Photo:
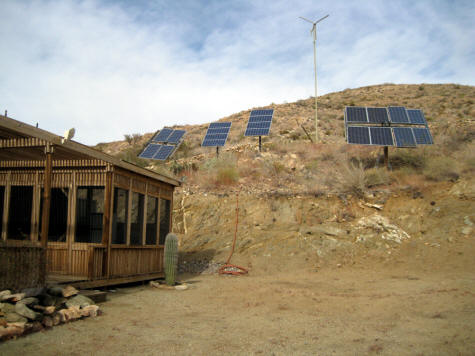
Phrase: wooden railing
(89,261)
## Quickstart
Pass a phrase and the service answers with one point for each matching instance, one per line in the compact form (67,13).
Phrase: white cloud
(108,70)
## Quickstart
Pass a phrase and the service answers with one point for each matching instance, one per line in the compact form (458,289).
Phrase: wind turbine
(314,33)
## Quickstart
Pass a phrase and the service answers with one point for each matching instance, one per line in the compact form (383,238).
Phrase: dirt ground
(409,305)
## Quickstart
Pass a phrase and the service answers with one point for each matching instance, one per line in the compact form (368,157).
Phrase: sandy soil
(404,307)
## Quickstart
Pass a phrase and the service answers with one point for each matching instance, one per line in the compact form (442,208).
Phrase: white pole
(314,32)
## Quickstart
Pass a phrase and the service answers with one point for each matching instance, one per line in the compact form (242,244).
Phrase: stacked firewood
(37,308)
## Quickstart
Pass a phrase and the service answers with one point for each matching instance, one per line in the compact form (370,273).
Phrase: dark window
(19,221)
(119,219)
(164,219)
(2,199)
(136,219)
(89,214)
(58,215)
(152,210)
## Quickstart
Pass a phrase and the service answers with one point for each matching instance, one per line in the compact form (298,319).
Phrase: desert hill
(328,203)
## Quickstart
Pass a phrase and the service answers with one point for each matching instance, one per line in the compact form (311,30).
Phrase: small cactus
(171,258)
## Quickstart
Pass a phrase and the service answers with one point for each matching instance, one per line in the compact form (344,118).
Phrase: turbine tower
(314,33)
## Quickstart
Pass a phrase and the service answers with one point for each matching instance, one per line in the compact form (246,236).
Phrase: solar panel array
(259,122)
(217,134)
(163,144)
(395,126)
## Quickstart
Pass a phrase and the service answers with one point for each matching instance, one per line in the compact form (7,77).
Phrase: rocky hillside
(313,204)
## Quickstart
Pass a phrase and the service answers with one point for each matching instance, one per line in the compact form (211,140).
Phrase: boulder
(13,298)
(33,292)
(7,308)
(49,310)
(69,314)
(90,310)
(4,293)
(12,330)
(47,300)
(23,310)
(48,321)
(79,301)
(15,318)
(30,301)
(56,319)
(69,291)
(3,323)
(55,291)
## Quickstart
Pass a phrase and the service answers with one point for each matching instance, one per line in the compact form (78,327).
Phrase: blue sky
(109,68)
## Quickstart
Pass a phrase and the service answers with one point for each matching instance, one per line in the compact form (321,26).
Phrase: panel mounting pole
(386,157)
(314,34)
(217,151)
(260,143)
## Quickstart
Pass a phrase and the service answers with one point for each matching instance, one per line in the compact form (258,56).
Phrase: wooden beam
(113,281)
(106,226)
(46,195)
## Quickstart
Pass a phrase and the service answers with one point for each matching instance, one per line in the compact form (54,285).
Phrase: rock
(36,326)
(69,291)
(7,308)
(90,310)
(49,310)
(13,297)
(72,313)
(79,301)
(181,287)
(33,292)
(12,330)
(47,300)
(23,310)
(29,301)
(467,230)
(3,323)
(15,318)
(48,321)
(56,319)
(4,293)
(55,291)
(381,224)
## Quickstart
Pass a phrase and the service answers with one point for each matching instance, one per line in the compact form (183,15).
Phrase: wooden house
(77,213)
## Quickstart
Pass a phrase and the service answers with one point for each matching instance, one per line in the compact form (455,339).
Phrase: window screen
(119,219)
(136,219)
(164,219)
(89,214)
(151,231)
(19,221)
(58,215)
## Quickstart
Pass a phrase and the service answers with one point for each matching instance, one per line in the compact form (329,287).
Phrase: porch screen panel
(19,220)
(119,218)
(89,214)
(58,215)
(136,219)
(164,219)
(2,199)
(152,211)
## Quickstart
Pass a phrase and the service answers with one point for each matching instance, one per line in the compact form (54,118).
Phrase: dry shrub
(441,168)
(227,175)
(376,176)
(407,158)
(350,178)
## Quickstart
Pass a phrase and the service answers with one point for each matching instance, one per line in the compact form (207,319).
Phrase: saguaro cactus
(171,258)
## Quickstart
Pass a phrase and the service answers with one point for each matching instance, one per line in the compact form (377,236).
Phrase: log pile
(36,309)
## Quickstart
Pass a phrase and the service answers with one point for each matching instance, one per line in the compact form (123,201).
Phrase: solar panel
(381,136)
(163,135)
(217,134)
(164,152)
(404,137)
(377,115)
(358,135)
(150,151)
(416,116)
(398,114)
(355,114)
(259,122)
(175,136)
(423,136)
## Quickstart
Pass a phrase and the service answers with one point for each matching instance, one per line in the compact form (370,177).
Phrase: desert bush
(128,138)
(407,158)
(441,168)
(349,178)
(376,176)
(227,175)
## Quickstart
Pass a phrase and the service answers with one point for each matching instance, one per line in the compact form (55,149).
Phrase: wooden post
(46,195)
(386,156)
(6,208)
(107,222)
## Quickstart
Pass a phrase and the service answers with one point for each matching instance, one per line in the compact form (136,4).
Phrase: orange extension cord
(229,268)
